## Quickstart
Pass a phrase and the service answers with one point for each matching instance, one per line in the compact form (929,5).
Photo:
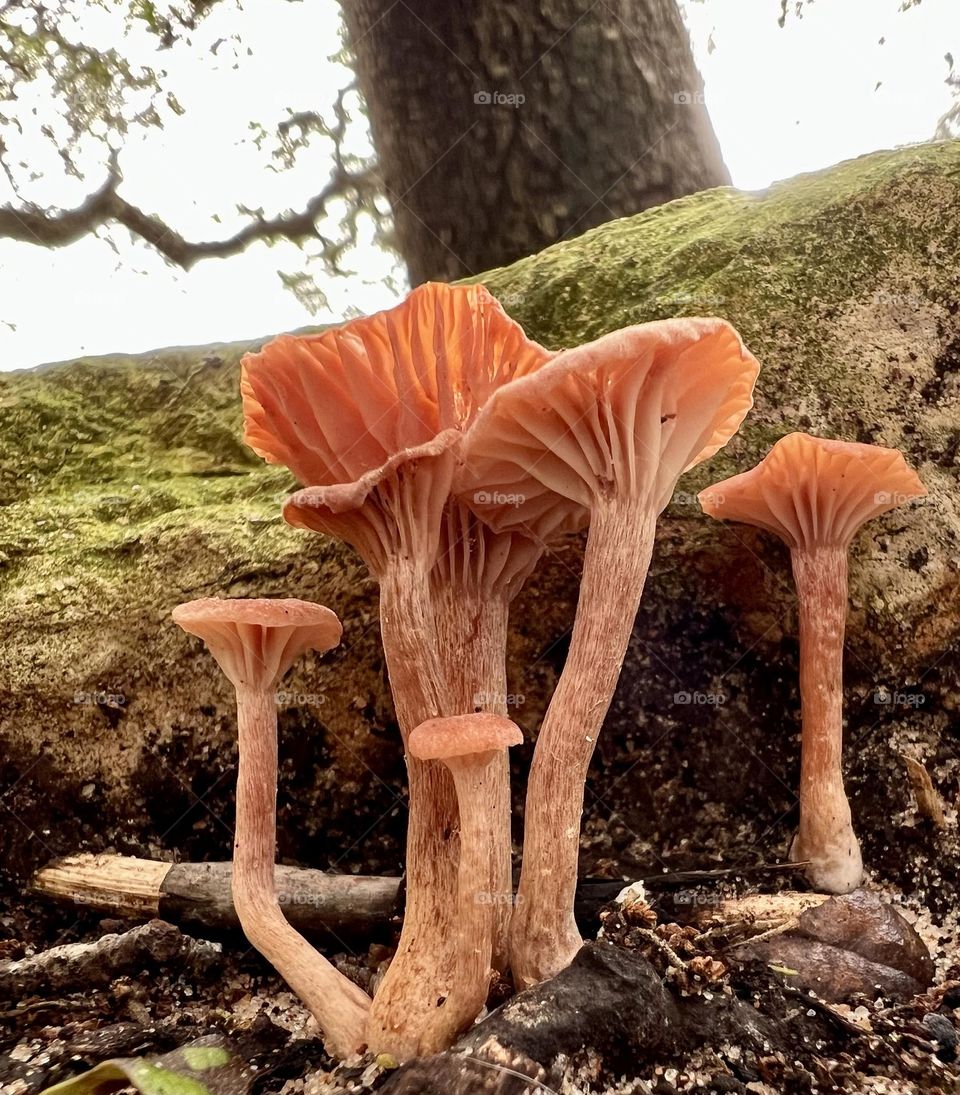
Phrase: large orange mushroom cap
(628,414)
(335,405)
(255,641)
(811,491)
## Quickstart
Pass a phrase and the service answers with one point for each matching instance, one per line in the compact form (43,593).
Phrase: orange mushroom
(815,494)
(370,416)
(472,746)
(598,435)
(255,642)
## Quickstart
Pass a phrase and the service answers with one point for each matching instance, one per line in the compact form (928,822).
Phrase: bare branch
(32,224)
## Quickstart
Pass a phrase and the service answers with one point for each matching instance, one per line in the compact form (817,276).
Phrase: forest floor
(879,1046)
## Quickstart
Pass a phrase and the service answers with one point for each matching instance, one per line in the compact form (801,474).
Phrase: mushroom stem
(339,1006)
(472,643)
(421,970)
(484,802)
(825,838)
(543,934)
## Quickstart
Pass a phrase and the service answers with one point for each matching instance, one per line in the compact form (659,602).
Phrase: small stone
(726,1084)
(944,1033)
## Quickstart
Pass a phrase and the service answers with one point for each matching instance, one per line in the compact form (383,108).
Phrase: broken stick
(199,893)
(353,906)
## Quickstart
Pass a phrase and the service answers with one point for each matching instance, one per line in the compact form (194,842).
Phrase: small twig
(823,1009)
(671,955)
(787,926)
(44,1005)
(510,1072)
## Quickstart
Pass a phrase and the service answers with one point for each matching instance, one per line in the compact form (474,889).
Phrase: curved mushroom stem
(543,933)
(484,803)
(339,1006)
(420,974)
(826,838)
(472,644)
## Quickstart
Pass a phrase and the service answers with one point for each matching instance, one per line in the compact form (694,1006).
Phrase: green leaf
(204,1067)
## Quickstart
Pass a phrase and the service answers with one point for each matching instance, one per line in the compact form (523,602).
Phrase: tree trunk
(502,128)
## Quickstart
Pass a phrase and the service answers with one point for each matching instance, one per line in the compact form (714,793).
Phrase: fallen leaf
(204,1067)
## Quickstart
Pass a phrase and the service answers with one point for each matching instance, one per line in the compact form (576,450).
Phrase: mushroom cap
(256,640)
(335,405)
(463,735)
(627,413)
(396,508)
(811,491)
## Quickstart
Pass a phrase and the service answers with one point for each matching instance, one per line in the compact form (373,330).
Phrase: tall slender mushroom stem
(255,642)
(423,965)
(826,828)
(476,577)
(598,436)
(815,494)
(617,557)
(392,517)
(339,1006)
(471,746)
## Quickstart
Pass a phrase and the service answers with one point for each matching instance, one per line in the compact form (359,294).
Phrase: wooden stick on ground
(355,906)
(199,893)
(72,966)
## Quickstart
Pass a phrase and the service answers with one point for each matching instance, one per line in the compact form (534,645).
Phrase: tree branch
(32,224)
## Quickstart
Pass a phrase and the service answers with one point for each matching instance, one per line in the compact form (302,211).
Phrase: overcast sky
(782,101)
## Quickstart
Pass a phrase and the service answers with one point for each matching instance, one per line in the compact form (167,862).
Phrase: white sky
(782,101)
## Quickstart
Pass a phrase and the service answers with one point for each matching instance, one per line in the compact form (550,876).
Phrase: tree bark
(502,128)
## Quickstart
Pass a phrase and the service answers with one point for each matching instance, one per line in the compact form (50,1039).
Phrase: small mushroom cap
(463,735)
(625,415)
(256,640)
(812,491)
(335,405)
(395,508)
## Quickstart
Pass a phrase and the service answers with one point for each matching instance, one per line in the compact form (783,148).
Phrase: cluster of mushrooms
(451,451)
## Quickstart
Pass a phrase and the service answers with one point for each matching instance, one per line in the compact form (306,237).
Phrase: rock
(862,923)
(832,972)
(607,1001)
(943,1033)
(851,944)
(608,1013)
(125,479)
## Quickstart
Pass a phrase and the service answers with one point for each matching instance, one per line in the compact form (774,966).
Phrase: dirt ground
(871,1046)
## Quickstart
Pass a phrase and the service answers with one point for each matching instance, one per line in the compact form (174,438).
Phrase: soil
(814,1047)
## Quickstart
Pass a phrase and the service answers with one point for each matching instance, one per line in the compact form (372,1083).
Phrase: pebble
(943,1032)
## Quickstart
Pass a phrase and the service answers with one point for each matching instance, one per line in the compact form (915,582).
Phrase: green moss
(104,459)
